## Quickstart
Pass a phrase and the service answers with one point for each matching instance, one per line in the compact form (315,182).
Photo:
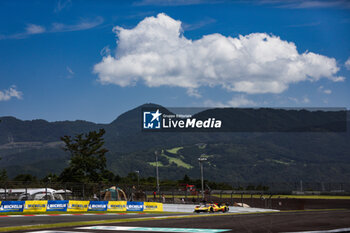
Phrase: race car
(211,208)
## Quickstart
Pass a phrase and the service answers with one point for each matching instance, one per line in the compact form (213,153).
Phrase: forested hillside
(34,147)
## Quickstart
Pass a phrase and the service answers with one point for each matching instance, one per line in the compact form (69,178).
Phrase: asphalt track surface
(297,221)
(46,219)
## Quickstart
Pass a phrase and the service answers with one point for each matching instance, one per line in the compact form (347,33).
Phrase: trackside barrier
(57,206)
(11,206)
(152,206)
(75,206)
(35,206)
(98,206)
(134,206)
(116,206)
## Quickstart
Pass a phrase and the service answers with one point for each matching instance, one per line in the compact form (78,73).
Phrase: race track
(290,221)
(49,219)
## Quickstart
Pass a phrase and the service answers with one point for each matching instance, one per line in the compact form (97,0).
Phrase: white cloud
(347,64)
(236,101)
(62,4)
(106,51)
(70,71)
(212,103)
(172,2)
(197,25)
(10,93)
(156,53)
(82,25)
(293,99)
(193,92)
(306,100)
(325,91)
(241,101)
(304,4)
(32,29)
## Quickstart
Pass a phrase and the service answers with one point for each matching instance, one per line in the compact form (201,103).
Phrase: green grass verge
(178,162)
(174,150)
(154,164)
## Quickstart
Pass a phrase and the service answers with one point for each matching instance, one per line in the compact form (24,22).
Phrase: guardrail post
(242,199)
(232,197)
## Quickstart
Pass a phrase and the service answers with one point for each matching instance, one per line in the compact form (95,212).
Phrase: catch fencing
(266,196)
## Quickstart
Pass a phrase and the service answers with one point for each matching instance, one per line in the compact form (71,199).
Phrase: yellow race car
(211,208)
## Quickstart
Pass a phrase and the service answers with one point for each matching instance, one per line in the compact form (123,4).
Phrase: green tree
(50,178)
(186,179)
(25,178)
(3,173)
(88,161)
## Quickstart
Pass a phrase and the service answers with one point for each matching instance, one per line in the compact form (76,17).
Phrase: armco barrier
(77,206)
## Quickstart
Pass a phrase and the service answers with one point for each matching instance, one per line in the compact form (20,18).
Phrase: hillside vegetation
(34,147)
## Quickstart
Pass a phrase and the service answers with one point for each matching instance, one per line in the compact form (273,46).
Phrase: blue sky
(60,60)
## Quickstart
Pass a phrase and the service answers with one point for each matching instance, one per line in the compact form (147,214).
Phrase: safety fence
(24,191)
(77,206)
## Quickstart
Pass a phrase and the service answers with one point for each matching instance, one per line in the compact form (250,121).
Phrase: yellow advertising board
(75,206)
(116,206)
(152,206)
(35,206)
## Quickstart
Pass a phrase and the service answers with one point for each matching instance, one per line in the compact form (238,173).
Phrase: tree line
(88,164)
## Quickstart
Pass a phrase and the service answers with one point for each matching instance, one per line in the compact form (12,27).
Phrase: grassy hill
(34,147)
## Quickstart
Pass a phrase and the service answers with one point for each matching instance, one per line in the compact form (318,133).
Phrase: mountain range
(34,147)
